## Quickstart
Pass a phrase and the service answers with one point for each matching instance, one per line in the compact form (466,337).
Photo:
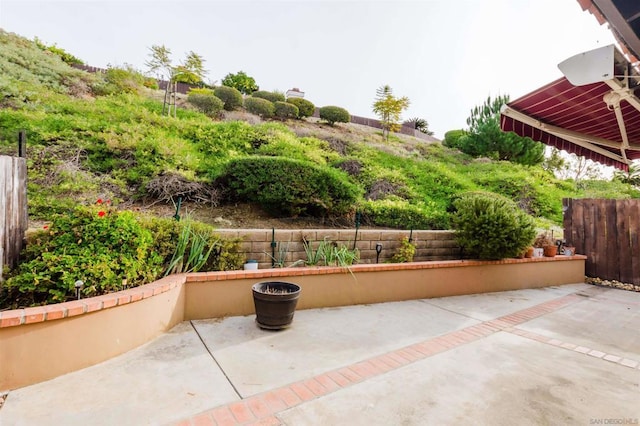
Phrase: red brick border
(58,311)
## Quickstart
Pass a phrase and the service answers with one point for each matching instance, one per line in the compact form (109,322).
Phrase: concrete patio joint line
(215,360)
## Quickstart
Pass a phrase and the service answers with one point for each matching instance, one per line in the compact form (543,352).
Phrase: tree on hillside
(485,138)
(389,108)
(632,177)
(241,81)
(419,124)
(191,71)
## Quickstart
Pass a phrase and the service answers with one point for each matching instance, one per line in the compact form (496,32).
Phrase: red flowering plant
(105,248)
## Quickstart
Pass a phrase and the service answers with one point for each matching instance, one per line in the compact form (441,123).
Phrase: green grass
(95,136)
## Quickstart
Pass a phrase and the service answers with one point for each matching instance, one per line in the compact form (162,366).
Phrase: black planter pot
(275,303)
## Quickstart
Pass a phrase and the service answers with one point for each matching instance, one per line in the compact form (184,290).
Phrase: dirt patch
(240,216)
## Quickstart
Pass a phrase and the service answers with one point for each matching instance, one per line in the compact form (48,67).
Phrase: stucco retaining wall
(40,343)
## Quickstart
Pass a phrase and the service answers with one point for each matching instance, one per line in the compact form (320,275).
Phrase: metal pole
(273,247)
(22,144)
(177,215)
(358,216)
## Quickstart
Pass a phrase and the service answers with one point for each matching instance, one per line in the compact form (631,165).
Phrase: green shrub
(489,226)
(151,83)
(290,187)
(305,107)
(106,249)
(231,97)
(452,138)
(334,114)
(285,110)
(226,255)
(400,214)
(207,103)
(120,80)
(63,54)
(270,96)
(405,253)
(109,251)
(260,106)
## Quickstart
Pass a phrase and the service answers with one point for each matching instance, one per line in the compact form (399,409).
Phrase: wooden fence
(13,208)
(606,231)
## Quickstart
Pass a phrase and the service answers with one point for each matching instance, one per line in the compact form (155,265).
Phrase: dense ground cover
(103,136)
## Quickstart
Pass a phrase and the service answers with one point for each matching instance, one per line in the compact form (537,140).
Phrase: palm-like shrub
(489,226)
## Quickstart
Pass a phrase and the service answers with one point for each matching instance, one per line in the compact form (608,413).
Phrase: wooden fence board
(622,247)
(610,242)
(606,231)
(13,208)
(634,244)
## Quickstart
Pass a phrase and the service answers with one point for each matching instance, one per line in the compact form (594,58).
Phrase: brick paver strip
(258,407)
(575,348)
(223,416)
(241,411)
(266,405)
(203,420)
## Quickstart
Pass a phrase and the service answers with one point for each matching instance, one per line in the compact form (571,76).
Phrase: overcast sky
(446,56)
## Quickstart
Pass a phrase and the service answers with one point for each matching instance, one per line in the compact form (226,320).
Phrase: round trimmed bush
(334,114)
(207,103)
(270,96)
(231,97)
(259,106)
(489,226)
(452,138)
(290,187)
(285,110)
(305,107)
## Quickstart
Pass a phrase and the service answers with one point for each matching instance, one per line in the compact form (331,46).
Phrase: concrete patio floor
(556,355)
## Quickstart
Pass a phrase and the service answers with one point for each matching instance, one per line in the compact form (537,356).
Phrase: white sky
(445,55)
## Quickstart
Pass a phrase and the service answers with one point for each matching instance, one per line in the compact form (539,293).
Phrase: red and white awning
(600,121)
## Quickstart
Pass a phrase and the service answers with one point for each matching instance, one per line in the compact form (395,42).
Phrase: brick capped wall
(430,245)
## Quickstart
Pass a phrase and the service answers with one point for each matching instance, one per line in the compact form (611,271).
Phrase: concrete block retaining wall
(430,245)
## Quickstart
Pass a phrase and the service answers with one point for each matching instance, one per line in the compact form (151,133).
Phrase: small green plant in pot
(491,227)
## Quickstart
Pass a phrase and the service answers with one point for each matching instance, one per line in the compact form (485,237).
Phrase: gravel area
(612,283)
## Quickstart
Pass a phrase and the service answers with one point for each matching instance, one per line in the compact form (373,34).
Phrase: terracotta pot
(550,251)
(529,252)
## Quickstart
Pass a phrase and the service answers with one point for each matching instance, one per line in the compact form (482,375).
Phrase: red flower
(108,202)
(101,213)
(45,227)
(99,201)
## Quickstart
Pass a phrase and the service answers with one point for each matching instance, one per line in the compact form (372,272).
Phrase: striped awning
(600,121)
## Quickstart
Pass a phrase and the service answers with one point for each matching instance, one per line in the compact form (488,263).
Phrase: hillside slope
(103,136)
